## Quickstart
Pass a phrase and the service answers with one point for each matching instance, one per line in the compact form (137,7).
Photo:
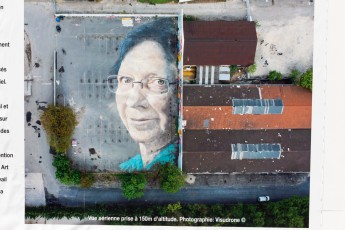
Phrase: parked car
(74,143)
(58,28)
(263,198)
(52,150)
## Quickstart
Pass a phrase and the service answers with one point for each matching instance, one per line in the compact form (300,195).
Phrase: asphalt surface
(205,195)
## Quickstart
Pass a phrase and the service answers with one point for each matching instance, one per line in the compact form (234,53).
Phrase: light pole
(55,66)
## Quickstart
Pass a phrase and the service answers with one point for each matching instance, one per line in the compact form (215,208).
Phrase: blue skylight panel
(255,151)
(257,106)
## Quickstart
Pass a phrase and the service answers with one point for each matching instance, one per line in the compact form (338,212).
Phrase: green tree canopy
(295,75)
(64,170)
(174,209)
(306,79)
(59,123)
(292,212)
(171,178)
(252,68)
(132,185)
(275,75)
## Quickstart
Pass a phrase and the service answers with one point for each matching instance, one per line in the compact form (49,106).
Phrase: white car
(263,198)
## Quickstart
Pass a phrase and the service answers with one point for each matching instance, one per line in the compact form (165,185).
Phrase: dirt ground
(285,36)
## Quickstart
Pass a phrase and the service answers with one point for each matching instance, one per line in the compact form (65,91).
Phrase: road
(205,195)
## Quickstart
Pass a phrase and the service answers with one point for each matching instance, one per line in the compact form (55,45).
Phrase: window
(257,106)
(255,151)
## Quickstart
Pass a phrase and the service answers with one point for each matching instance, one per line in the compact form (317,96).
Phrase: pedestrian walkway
(227,10)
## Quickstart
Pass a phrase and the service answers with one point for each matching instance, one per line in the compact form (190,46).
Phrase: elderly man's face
(146,115)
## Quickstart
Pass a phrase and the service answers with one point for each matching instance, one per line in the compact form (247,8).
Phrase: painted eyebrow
(147,76)
(151,75)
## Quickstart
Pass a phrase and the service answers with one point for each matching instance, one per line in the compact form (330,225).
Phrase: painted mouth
(140,121)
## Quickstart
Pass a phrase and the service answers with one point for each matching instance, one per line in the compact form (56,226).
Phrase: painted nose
(136,97)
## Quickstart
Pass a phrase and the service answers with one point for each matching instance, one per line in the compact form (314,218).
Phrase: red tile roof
(296,113)
(290,94)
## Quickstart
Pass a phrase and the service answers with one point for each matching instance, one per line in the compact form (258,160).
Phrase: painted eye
(125,80)
(157,82)
(158,85)
(160,82)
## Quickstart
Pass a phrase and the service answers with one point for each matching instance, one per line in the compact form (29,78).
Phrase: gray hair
(163,31)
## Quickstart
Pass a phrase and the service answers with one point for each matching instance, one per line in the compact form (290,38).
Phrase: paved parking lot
(87,50)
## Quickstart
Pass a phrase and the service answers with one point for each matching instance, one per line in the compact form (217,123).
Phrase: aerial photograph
(167,112)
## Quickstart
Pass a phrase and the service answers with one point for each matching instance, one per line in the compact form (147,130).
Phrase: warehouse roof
(212,107)
(222,95)
(219,43)
(209,151)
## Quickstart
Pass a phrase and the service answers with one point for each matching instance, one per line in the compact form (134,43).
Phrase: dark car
(58,28)
(28,117)
(52,150)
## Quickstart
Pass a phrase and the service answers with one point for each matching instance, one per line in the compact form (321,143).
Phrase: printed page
(167,114)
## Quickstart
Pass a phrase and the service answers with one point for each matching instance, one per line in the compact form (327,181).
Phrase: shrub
(64,170)
(86,180)
(295,74)
(59,123)
(306,79)
(257,24)
(251,69)
(189,18)
(171,178)
(275,75)
(132,185)
(233,69)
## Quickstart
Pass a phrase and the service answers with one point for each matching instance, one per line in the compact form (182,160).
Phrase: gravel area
(285,36)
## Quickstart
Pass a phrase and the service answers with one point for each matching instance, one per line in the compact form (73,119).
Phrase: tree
(254,215)
(306,79)
(275,75)
(251,69)
(59,123)
(132,185)
(171,178)
(64,170)
(295,75)
(174,209)
(292,212)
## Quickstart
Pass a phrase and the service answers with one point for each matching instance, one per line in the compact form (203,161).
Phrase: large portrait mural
(123,85)
(145,85)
